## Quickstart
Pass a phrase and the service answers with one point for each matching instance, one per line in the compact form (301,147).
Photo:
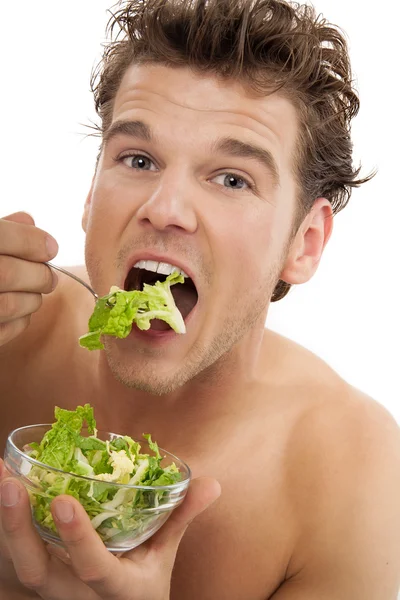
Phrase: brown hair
(270,45)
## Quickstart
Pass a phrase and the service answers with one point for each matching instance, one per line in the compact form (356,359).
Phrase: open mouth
(185,295)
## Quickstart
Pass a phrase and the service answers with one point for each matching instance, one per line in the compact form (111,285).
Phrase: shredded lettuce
(115,313)
(114,512)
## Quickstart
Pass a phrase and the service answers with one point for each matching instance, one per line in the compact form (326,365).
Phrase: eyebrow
(235,147)
(137,129)
(226,145)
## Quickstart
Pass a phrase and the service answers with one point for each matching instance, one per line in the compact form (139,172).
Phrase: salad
(115,313)
(112,509)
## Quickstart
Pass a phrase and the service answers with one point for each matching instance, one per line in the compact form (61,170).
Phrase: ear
(86,209)
(308,244)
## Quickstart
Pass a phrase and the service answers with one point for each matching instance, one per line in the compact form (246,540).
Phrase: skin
(309,467)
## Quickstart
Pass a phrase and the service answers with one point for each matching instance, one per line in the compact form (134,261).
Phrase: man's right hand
(23,276)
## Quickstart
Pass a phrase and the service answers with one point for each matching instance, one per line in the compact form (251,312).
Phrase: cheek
(249,245)
(103,234)
(111,209)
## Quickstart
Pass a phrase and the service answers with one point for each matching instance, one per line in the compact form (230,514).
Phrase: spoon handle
(78,279)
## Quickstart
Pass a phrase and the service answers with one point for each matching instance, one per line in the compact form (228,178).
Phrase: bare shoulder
(341,437)
(343,481)
(325,400)
(334,423)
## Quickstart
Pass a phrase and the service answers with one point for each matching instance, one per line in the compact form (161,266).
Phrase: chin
(154,387)
(140,374)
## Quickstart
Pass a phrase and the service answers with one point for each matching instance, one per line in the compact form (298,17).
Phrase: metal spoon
(78,279)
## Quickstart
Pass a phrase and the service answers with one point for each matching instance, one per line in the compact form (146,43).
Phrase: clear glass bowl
(147,509)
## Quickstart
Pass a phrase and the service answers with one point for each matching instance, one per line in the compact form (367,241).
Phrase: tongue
(185,297)
(158,325)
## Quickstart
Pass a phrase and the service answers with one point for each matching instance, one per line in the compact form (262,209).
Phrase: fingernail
(52,246)
(64,511)
(9,494)
(55,280)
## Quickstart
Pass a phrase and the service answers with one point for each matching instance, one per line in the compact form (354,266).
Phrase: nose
(170,206)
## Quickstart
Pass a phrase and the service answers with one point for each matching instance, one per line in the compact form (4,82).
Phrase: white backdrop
(349,312)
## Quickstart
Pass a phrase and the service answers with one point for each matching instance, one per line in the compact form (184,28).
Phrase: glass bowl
(131,514)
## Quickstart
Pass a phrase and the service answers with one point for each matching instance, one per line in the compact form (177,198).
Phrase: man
(225,152)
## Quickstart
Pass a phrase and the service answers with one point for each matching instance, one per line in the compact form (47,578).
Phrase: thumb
(20,217)
(202,492)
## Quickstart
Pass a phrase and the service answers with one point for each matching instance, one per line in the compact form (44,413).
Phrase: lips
(185,295)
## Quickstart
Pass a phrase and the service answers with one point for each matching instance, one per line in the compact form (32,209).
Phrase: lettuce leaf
(113,510)
(58,445)
(115,313)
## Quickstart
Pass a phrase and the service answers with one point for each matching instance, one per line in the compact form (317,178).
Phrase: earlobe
(308,245)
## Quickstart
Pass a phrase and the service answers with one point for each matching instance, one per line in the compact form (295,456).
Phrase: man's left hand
(88,571)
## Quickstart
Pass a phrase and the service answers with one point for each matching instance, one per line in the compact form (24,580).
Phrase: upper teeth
(159,267)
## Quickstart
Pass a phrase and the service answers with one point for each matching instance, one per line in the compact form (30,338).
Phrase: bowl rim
(172,486)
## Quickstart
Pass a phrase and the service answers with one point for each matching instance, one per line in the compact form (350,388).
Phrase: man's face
(196,173)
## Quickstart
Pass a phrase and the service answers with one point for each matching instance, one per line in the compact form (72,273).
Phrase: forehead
(181,96)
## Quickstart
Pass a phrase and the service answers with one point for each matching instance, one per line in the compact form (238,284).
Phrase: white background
(349,312)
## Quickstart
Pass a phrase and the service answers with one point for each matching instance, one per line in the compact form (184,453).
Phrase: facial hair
(208,358)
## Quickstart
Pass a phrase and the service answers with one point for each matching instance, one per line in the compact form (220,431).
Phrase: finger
(27,550)
(9,331)
(26,241)
(14,305)
(90,560)
(59,553)
(20,217)
(17,275)
(3,470)
(202,492)
(4,552)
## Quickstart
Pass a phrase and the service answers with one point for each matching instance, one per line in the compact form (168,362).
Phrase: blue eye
(139,162)
(232,181)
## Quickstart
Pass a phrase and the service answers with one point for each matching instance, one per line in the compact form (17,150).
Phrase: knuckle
(10,330)
(93,574)
(4,333)
(37,302)
(32,578)
(74,543)
(11,527)
(33,242)
(8,304)
(48,278)
(5,555)
(4,271)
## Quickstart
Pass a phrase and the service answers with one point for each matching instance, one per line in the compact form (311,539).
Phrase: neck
(197,407)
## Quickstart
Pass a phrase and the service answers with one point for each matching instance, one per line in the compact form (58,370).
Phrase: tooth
(164,268)
(140,264)
(150,265)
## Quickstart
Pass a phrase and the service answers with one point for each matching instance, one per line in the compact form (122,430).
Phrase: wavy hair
(270,45)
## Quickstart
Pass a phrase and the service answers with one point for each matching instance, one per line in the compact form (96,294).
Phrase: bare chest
(239,548)
(236,550)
